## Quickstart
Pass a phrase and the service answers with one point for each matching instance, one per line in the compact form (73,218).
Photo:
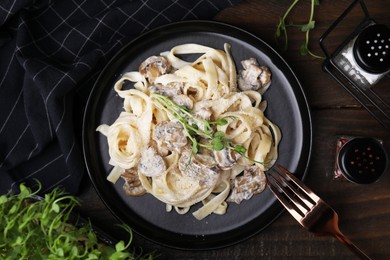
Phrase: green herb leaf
(221,122)
(217,144)
(120,246)
(3,199)
(282,27)
(24,192)
(306,27)
(240,149)
(13,209)
(219,134)
(40,229)
(194,148)
(18,241)
(60,252)
(55,207)
(92,256)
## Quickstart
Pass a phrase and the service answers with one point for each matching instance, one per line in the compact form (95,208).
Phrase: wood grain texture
(364,210)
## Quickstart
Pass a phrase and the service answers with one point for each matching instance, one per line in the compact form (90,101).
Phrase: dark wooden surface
(364,210)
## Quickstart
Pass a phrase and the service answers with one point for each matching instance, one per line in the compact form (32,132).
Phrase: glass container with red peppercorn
(360,160)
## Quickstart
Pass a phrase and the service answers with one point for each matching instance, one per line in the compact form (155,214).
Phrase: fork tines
(296,197)
(306,207)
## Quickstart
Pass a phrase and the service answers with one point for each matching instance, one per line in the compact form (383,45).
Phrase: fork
(307,208)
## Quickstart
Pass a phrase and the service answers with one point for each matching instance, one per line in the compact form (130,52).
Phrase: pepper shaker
(361,60)
(366,58)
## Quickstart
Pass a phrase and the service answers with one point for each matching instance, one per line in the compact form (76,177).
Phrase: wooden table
(364,210)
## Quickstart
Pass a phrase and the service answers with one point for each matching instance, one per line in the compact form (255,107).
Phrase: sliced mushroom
(151,163)
(170,134)
(154,67)
(174,92)
(226,158)
(132,186)
(253,181)
(253,76)
(183,100)
(169,90)
(202,168)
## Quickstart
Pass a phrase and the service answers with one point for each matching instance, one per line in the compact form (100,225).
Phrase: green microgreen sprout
(281,29)
(220,142)
(41,228)
(193,126)
(191,123)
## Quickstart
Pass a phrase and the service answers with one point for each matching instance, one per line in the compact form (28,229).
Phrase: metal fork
(306,207)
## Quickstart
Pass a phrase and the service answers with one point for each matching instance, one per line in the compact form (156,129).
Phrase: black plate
(287,107)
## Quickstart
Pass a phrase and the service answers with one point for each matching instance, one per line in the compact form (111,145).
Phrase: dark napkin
(51,52)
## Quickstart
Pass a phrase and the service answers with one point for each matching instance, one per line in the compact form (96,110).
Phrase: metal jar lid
(362,160)
(372,49)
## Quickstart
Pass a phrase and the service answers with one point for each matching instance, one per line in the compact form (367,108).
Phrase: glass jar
(360,160)
(366,58)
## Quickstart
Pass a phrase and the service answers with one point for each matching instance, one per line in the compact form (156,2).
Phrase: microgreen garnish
(41,229)
(219,141)
(281,29)
(195,126)
(191,123)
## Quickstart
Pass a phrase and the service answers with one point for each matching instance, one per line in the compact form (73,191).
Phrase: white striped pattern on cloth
(51,52)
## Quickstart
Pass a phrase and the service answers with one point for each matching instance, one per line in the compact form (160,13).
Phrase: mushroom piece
(154,67)
(183,100)
(174,92)
(132,185)
(168,90)
(201,167)
(254,77)
(253,181)
(170,134)
(151,163)
(225,158)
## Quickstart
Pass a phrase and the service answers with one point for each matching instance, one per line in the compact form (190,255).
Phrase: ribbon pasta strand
(205,90)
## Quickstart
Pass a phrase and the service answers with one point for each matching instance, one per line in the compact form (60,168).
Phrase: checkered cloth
(51,52)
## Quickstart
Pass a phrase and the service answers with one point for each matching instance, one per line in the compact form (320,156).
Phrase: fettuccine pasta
(193,131)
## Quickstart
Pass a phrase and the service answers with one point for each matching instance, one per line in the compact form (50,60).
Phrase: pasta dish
(193,131)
